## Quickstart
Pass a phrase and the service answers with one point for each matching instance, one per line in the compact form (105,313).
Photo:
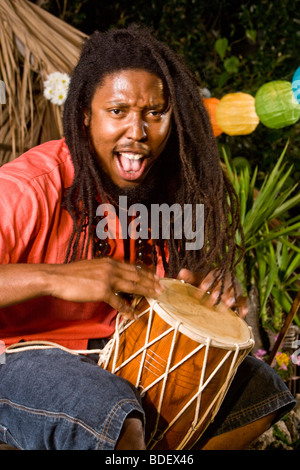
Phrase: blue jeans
(51,399)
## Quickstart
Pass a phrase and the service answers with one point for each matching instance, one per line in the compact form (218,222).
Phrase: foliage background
(260,43)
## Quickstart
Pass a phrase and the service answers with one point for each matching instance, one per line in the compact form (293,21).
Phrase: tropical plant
(271,260)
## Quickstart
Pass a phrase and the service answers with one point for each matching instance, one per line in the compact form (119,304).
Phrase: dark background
(263,45)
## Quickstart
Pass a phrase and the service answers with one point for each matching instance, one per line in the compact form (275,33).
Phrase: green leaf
(273,235)
(240,163)
(292,281)
(294,264)
(223,78)
(228,167)
(244,192)
(283,208)
(293,247)
(253,181)
(232,64)
(271,278)
(221,46)
(282,299)
(251,34)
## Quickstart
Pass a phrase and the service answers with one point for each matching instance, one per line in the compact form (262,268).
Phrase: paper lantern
(276,105)
(236,114)
(296,84)
(211,106)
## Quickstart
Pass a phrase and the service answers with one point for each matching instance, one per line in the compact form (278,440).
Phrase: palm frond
(33,43)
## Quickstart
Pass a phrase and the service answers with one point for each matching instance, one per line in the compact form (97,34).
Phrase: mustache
(134,148)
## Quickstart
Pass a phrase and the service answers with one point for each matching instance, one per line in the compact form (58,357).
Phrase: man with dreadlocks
(134,126)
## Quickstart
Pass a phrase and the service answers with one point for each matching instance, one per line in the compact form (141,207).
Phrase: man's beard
(157,187)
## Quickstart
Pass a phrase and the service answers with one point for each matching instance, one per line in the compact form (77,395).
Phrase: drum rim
(192,333)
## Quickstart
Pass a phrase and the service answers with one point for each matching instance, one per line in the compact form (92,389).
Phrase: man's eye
(116,111)
(156,113)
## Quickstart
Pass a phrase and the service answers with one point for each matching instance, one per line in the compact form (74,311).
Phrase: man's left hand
(237,302)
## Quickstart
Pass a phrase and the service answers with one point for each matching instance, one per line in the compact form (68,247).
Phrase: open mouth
(131,166)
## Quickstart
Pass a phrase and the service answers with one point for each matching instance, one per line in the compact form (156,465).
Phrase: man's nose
(137,129)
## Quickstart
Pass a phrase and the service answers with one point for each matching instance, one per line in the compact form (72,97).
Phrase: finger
(213,292)
(188,276)
(242,306)
(122,305)
(143,287)
(139,281)
(196,279)
(228,296)
(215,286)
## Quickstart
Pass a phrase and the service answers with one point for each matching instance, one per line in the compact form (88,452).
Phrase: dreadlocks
(191,148)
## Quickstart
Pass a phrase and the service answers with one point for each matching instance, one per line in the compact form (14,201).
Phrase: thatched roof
(33,43)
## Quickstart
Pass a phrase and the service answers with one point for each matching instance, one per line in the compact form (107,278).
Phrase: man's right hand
(97,280)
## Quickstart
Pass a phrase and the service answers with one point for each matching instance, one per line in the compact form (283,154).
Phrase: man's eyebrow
(117,103)
(121,104)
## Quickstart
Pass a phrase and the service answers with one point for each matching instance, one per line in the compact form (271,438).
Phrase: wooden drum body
(182,357)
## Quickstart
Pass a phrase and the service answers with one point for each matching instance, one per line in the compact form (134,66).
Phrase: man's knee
(239,438)
(132,433)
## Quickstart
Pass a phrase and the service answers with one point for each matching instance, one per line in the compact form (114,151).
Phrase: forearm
(81,281)
(21,282)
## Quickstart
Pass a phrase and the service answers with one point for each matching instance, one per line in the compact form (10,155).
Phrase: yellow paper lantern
(211,106)
(236,114)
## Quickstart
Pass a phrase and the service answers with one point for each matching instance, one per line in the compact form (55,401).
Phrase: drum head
(184,303)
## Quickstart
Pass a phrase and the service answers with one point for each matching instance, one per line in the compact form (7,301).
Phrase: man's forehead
(124,85)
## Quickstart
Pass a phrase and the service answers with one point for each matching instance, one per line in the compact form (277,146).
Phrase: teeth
(131,156)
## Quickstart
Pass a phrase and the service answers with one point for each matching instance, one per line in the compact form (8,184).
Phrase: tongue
(130,165)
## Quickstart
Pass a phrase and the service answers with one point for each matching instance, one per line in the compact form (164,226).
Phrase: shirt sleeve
(20,212)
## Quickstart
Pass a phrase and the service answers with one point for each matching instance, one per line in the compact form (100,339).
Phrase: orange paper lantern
(211,106)
(236,114)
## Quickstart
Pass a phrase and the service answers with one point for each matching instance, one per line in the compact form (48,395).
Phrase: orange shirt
(34,228)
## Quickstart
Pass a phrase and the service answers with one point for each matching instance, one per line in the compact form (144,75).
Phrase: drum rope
(117,342)
(197,410)
(165,377)
(212,406)
(194,397)
(158,338)
(150,319)
(106,352)
(192,353)
(35,345)
(216,402)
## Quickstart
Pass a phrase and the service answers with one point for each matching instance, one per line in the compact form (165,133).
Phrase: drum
(182,356)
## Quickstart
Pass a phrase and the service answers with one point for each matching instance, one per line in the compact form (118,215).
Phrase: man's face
(129,125)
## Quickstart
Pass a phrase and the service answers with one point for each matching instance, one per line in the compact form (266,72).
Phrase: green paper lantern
(276,105)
